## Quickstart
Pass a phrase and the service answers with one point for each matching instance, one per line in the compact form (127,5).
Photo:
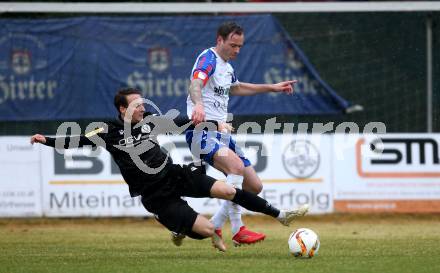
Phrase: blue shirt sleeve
(206,63)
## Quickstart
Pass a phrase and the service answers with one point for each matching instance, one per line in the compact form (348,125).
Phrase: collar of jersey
(216,54)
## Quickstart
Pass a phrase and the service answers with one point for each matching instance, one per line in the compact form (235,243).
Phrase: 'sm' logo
(398,158)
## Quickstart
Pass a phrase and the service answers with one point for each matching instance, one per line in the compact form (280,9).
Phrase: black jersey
(135,149)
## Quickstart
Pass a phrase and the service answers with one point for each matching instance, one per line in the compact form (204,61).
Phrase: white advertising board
(392,172)
(82,182)
(294,170)
(20,188)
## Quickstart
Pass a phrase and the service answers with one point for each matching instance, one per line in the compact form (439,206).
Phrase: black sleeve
(164,124)
(183,120)
(70,142)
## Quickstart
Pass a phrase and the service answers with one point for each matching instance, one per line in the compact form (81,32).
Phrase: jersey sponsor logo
(220,105)
(221,91)
(135,140)
(130,141)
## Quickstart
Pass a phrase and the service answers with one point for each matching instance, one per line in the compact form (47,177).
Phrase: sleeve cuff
(50,141)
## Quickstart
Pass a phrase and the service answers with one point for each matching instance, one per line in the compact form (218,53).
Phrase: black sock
(255,203)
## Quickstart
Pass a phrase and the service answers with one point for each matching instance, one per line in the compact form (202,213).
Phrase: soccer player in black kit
(132,141)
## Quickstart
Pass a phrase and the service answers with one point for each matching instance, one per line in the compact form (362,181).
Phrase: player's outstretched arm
(249,89)
(93,139)
(172,122)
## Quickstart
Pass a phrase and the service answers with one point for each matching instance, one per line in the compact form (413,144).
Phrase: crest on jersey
(146,129)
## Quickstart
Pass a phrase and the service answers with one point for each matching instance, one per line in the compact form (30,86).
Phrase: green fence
(377,60)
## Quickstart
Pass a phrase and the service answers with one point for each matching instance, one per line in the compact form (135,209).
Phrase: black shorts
(171,210)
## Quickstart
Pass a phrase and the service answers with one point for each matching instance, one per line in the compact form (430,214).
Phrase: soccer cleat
(245,236)
(177,238)
(217,240)
(289,215)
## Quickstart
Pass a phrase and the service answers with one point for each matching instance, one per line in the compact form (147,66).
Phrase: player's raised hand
(38,139)
(198,114)
(286,87)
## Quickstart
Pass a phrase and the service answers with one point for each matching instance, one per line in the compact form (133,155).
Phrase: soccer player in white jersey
(212,81)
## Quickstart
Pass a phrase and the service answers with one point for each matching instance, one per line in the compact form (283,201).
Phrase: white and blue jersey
(218,77)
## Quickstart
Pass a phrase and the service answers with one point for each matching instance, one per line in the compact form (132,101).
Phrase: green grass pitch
(381,243)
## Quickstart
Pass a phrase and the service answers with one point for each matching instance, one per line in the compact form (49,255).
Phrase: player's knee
(257,188)
(222,190)
(229,193)
(235,167)
(207,230)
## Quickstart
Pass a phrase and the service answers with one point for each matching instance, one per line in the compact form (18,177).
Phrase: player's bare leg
(228,162)
(202,226)
(251,183)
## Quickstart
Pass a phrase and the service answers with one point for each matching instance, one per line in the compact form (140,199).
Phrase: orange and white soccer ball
(304,243)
